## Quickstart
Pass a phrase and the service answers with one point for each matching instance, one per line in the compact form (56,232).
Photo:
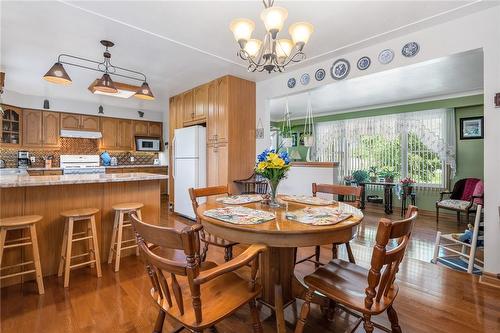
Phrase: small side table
(404,201)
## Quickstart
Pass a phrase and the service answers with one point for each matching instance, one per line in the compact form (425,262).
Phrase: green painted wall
(470,153)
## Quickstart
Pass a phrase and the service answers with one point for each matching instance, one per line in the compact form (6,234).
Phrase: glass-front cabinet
(11,125)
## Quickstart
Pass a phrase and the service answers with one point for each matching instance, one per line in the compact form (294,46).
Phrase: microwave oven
(147,144)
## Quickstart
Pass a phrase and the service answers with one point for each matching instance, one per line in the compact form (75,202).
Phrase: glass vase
(273,185)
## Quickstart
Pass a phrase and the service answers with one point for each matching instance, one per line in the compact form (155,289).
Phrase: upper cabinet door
(212,112)
(141,128)
(201,102)
(109,129)
(32,128)
(11,128)
(90,123)
(187,106)
(124,134)
(222,109)
(50,129)
(155,129)
(70,121)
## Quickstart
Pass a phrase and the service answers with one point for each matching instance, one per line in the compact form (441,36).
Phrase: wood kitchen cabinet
(228,106)
(148,128)
(41,129)
(51,129)
(188,107)
(11,126)
(71,121)
(116,134)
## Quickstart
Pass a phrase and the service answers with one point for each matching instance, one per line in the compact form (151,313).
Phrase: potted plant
(360,176)
(273,165)
(373,172)
(287,140)
(407,185)
(388,174)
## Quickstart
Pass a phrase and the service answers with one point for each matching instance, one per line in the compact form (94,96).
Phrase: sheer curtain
(417,144)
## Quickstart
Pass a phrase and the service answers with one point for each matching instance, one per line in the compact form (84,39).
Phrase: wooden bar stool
(18,223)
(121,210)
(72,216)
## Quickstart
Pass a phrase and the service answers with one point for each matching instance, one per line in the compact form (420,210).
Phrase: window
(419,145)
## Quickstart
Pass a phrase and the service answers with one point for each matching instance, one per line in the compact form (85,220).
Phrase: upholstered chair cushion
(454,204)
(479,191)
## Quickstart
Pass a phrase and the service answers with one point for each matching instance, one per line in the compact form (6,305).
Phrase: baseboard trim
(490,279)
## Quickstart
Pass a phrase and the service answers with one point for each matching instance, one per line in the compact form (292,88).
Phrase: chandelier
(271,54)
(57,74)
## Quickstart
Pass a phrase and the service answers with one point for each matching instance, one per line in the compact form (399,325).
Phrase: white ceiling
(179,44)
(459,74)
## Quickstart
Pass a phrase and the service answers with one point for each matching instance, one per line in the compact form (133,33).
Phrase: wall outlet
(32,159)
(132,158)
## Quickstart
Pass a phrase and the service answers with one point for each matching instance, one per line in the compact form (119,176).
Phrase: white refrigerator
(190,166)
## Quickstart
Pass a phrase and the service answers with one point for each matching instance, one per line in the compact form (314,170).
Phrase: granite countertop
(109,167)
(26,180)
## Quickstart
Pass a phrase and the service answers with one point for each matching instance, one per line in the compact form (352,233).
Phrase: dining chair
(215,292)
(334,189)
(372,291)
(207,238)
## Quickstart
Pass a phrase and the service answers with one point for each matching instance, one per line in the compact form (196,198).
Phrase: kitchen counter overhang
(8,181)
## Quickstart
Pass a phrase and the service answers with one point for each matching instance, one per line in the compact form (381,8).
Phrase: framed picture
(295,137)
(301,139)
(471,128)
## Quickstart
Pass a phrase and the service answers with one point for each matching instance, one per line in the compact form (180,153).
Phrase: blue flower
(285,157)
(263,156)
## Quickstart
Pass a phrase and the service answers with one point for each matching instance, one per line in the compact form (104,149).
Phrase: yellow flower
(279,162)
(261,166)
(272,156)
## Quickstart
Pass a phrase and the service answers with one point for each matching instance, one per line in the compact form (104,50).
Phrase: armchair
(466,195)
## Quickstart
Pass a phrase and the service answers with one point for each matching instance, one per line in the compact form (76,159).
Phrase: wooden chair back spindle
(336,189)
(150,237)
(380,279)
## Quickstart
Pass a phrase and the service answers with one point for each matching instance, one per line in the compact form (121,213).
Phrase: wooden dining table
(282,236)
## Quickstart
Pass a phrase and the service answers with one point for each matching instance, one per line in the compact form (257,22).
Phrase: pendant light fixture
(272,54)
(57,74)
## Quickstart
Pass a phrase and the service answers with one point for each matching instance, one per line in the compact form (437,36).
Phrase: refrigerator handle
(173,157)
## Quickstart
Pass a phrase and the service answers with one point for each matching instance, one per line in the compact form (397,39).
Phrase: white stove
(81,164)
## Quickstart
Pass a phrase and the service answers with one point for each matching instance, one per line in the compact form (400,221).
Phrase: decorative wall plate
(364,63)
(340,69)
(386,56)
(320,74)
(410,49)
(304,79)
(291,82)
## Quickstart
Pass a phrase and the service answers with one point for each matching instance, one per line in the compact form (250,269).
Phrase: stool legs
(95,248)
(36,260)
(67,258)
(67,245)
(117,236)
(119,241)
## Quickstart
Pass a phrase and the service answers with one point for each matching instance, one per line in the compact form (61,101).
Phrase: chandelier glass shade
(57,74)
(271,54)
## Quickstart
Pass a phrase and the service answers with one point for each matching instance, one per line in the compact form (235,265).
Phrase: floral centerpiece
(407,185)
(273,165)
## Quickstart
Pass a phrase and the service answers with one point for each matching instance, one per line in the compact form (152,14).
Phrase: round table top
(282,232)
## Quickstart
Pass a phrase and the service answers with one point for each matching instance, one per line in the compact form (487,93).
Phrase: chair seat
(217,241)
(455,204)
(177,255)
(80,212)
(219,298)
(128,206)
(19,221)
(346,283)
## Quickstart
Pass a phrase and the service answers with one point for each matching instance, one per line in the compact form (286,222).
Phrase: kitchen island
(49,195)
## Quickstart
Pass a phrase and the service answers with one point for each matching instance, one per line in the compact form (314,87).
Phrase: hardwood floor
(431,299)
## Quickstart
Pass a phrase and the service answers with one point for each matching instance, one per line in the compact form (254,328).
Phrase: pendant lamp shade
(144,92)
(57,74)
(105,84)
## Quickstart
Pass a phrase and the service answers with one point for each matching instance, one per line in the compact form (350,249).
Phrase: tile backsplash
(75,146)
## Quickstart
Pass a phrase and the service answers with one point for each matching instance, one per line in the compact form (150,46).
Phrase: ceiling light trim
(151,33)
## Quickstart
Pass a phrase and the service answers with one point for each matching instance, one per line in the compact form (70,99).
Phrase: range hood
(81,134)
